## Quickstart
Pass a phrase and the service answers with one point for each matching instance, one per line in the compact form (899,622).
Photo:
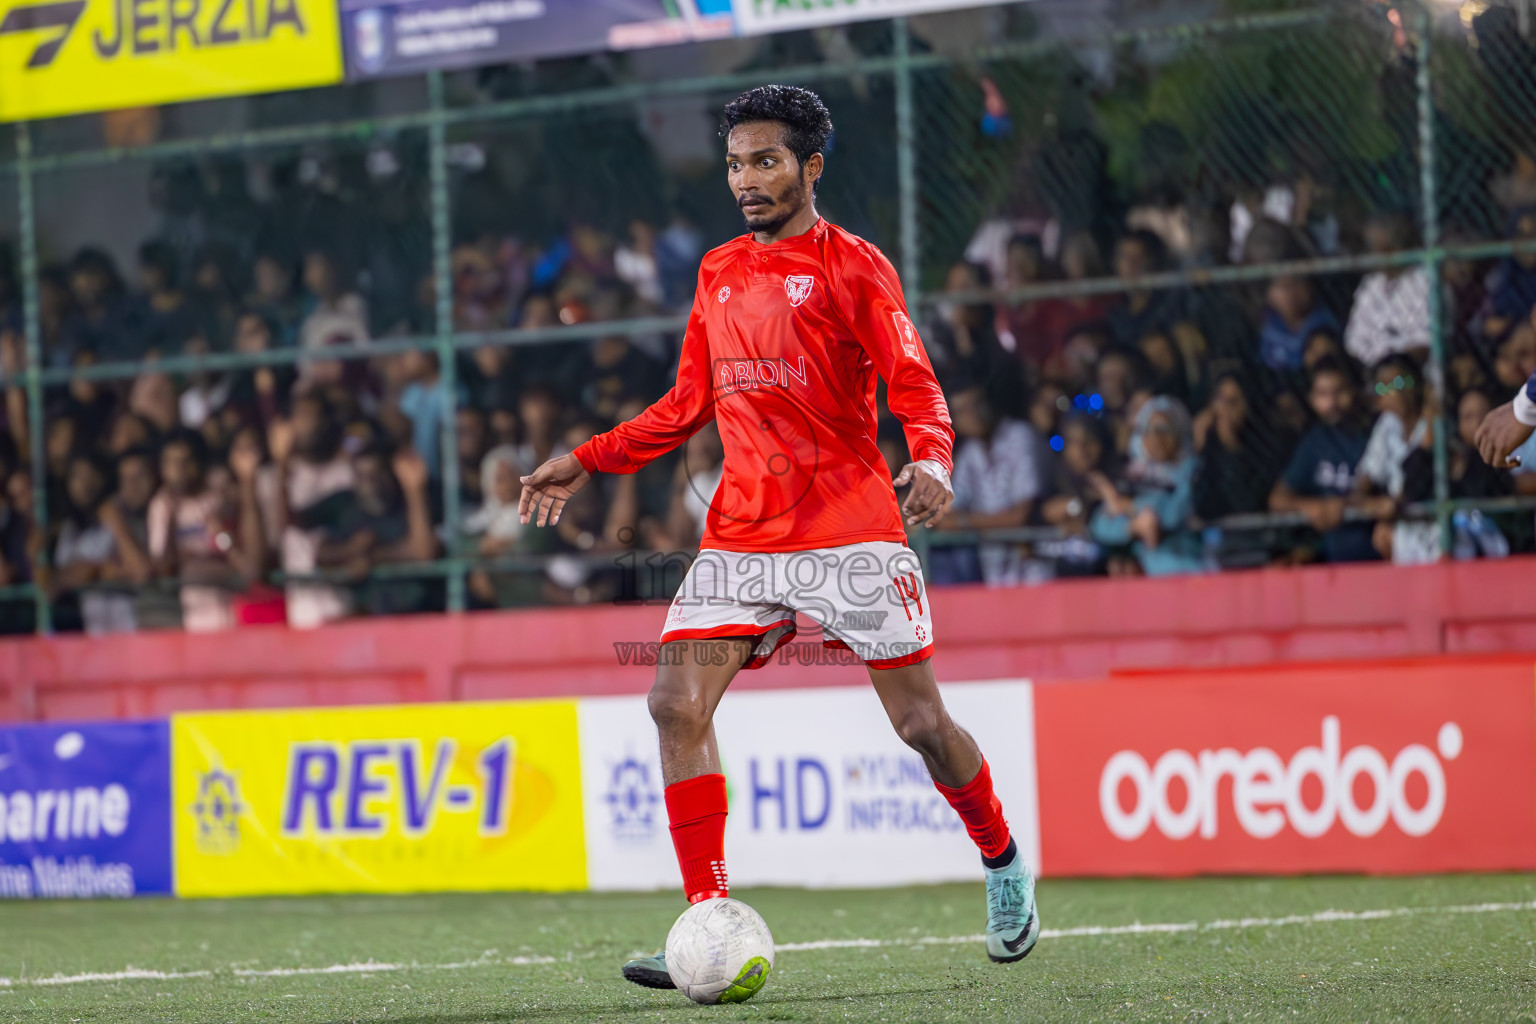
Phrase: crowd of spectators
(1119,430)
(210,498)
(1147,424)
(1134,423)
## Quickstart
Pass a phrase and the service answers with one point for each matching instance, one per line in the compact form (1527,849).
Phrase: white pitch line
(377,968)
(1139,928)
(1331,916)
(1083,931)
(136,974)
(127,974)
(512,961)
(289,972)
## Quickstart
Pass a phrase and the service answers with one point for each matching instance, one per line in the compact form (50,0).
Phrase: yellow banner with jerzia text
(431,797)
(75,56)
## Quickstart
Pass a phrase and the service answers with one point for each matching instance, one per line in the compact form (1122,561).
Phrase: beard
(779,211)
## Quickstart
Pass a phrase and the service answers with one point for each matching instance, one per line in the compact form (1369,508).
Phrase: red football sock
(979,808)
(696,808)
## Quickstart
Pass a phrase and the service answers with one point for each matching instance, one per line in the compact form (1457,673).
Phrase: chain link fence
(1203,294)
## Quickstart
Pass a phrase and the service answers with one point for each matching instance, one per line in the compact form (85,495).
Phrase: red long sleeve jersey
(782,348)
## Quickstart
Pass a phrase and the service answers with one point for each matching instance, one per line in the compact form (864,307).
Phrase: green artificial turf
(468,958)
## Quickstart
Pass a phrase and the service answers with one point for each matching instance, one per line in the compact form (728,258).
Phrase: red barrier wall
(1074,629)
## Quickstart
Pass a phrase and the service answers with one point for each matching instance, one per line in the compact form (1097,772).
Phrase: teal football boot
(1013,926)
(650,971)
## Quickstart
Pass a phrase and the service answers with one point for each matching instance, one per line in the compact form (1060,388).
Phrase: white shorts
(868,597)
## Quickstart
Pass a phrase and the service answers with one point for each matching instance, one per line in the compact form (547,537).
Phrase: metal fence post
(906,202)
(1430,216)
(906,166)
(27,229)
(442,277)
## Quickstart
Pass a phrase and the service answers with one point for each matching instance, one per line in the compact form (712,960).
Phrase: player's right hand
(1500,435)
(931,493)
(548,488)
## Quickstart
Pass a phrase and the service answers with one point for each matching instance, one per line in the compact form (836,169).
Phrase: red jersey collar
(815,234)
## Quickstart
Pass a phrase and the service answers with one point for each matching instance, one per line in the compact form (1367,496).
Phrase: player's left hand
(548,488)
(1500,435)
(930,496)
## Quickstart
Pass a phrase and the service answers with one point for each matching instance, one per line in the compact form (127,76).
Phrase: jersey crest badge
(798,287)
(907,333)
(724,293)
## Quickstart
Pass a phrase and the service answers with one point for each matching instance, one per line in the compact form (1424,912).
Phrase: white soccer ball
(719,951)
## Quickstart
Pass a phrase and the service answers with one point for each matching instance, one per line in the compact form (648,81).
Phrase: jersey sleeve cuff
(1525,407)
(586,454)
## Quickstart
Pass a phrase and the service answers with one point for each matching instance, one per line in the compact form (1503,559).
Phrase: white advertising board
(822,792)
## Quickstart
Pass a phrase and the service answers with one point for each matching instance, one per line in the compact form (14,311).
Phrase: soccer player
(1508,427)
(791,322)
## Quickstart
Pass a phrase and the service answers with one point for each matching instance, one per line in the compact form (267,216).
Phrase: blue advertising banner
(395,37)
(85,810)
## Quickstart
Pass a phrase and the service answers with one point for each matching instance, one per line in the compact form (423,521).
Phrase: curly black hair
(807,124)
